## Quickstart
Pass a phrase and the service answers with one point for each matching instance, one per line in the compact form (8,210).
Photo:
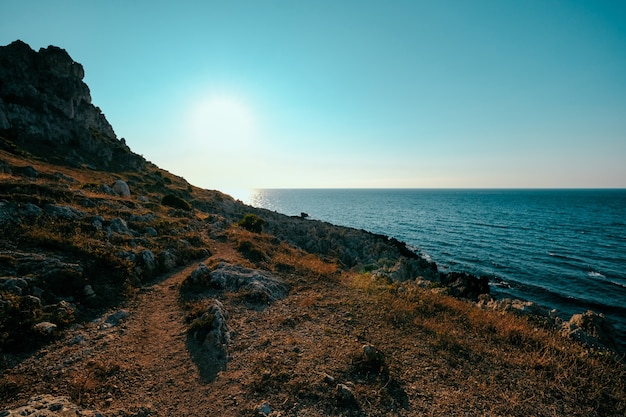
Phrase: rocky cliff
(46,109)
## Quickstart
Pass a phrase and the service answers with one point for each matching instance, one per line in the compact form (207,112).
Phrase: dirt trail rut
(162,375)
(139,366)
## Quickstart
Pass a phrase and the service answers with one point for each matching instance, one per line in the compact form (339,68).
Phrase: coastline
(366,208)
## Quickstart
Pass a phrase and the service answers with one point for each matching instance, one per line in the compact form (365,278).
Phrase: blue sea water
(564,249)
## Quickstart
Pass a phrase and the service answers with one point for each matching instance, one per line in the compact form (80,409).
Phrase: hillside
(126,291)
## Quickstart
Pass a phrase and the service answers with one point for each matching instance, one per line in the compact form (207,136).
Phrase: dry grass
(500,358)
(436,355)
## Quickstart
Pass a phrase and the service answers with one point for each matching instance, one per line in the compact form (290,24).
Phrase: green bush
(171,200)
(252,222)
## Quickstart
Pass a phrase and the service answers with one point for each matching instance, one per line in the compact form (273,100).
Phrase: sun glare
(221,122)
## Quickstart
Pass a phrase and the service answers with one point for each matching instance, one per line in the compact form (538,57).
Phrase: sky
(353,94)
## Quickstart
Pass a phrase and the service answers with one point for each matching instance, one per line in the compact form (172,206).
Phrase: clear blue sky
(261,94)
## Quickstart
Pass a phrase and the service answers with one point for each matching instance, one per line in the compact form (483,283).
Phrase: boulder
(592,330)
(16,286)
(89,292)
(199,276)
(464,285)
(8,213)
(168,259)
(63,212)
(119,226)
(405,269)
(45,328)
(260,286)
(209,335)
(27,171)
(31,210)
(148,263)
(121,188)
(114,319)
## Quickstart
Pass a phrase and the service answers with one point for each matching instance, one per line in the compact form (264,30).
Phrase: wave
(568,258)
(493,226)
(603,278)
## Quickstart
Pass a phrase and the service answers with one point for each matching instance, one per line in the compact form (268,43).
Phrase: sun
(222,122)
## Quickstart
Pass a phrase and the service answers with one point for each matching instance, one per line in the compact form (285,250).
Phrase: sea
(561,248)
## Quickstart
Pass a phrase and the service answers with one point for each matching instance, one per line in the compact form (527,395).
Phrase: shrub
(252,222)
(171,200)
(250,251)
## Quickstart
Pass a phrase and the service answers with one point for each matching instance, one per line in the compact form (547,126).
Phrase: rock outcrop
(46,109)
(47,406)
(592,330)
(260,287)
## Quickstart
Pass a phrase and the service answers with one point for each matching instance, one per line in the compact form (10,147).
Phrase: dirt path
(138,365)
(162,375)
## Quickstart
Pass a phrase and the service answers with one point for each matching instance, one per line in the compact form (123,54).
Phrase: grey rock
(16,286)
(119,226)
(89,292)
(168,259)
(260,286)
(130,256)
(106,189)
(27,171)
(142,218)
(63,212)
(62,312)
(210,331)
(148,262)
(63,177)
(521,308)
(77,340)
(8,213)
(200,274)
(30,303)
(592,330)
(97,222)
(45,328)
(263,409)
(31,210)
(121,188)
(115,318)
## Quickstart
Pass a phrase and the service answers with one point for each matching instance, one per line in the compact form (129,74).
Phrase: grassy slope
(436,355)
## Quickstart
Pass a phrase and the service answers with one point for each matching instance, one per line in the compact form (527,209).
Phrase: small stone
(345,396)
(45,328)
(264,409)
(79,339)
(89,292)
(115,318)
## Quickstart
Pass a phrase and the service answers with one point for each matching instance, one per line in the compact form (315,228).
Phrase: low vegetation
(173,201)
(346,337)
(252,222)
